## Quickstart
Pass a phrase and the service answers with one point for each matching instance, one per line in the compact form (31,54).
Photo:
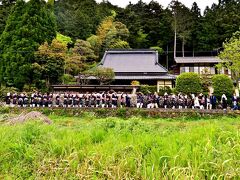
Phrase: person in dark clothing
(8,99)
(139,100)
(65,100)
(14,99)
(213,101)
(235,102)
(165,101)
(25,100)
(114,100)
(57,100)
(45,100)
(108,100)
(98,100)
(128,101)
(122,101)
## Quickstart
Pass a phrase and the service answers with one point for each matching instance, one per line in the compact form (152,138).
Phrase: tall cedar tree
(5,9)
(182,22)
(149,24)
(28,26)
(80,18)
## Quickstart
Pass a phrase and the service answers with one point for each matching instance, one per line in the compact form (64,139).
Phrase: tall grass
(112,148)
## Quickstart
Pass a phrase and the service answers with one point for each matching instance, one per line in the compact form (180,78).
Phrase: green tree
(218,24)
(29,25)
(104,75)
(196,26)
(64,39)
(149,24)
(230,56)
(222,84)
(80,58)
(182,22)
(80,18)
(5,9)
(49,65)
(110,34)
(188,83)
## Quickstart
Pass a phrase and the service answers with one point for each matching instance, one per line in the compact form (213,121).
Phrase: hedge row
(126,112)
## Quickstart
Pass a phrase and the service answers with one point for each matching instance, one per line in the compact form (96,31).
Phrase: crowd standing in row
(112,99)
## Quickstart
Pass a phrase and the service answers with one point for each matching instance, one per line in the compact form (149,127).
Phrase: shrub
(4,90)
(135,83)
(166,89)
(68,79)
(188,83)
(222,84)
(146,89)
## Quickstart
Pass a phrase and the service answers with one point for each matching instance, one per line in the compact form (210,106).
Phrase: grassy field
(113,148)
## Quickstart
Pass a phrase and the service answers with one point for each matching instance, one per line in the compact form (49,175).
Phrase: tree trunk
(183,54)
(175,41)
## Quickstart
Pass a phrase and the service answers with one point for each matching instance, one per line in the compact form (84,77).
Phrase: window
(182,70)
(196,69)
(191,69)
(213,70)
(205,70)
(186,69)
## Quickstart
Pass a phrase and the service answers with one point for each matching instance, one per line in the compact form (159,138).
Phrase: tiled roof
(140,77)
(132,61)
(209,59)
(159,77)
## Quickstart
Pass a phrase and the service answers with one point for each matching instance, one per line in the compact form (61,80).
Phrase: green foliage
(158,49)
(188,83)
(4,90)
(5,9)
(49,64)
(29,25)
(110,34)
(76,18)
(206,79)
(222,84)
(149,24)
(74,147)
(182,21)
(64,39)
(68,79)
(80,58)
(164,90)
(230,56)
(135,83)
(104,75)
(146,89)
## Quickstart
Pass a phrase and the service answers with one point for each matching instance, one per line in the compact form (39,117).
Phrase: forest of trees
(41,42)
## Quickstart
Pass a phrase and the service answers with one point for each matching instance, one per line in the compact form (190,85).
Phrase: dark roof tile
(132,61)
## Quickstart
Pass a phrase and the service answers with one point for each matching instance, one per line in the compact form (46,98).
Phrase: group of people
(112,99)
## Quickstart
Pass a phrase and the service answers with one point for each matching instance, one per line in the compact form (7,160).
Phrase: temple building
(128,66)
(137,65)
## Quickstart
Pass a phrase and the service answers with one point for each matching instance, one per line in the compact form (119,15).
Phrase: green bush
(222,84)
(166,89)
(4,90)
(146,89)
(68,79)
(188,83)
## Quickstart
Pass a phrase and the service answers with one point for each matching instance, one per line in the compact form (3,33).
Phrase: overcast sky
(201,3)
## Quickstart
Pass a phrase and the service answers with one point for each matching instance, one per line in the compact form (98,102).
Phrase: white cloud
(201,3)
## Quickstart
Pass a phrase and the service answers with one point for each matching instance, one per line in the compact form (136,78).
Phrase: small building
(199,65)
(137,65)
